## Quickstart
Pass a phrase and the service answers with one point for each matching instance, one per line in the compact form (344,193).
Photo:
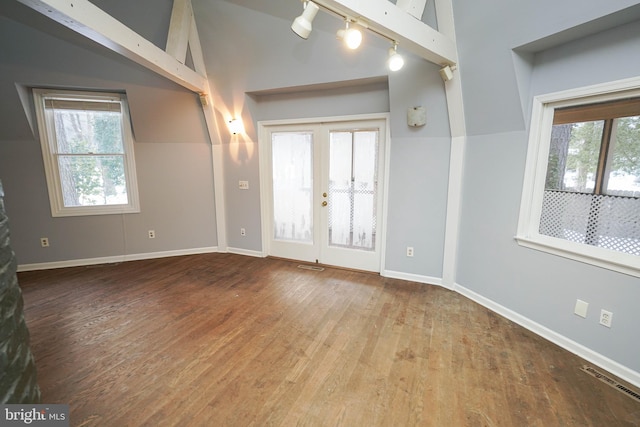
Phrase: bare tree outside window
(88,152)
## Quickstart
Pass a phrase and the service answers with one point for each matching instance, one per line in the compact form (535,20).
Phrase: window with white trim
(87,148)
(582,181)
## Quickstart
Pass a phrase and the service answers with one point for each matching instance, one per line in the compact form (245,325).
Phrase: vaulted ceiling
(69,19)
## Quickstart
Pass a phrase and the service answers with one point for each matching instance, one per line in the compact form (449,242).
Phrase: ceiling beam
(183,35)
(92,22)
(413,7)
(179,29)
(390,21)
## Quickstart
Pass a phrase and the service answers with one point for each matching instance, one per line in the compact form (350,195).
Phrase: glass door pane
(352,189)
(365,182)
(292,169)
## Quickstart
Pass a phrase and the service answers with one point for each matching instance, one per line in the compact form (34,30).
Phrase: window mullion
(602,158)
(352,187)
(611,146)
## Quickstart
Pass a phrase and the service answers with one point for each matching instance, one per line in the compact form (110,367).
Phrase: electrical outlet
(409,251)
(44,242)
(152,234)
(243,232)
(606,317)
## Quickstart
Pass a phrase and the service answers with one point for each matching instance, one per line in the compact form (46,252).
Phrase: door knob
(324,194)
(324,203)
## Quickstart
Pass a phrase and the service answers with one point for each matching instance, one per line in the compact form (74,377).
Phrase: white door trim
(265,203)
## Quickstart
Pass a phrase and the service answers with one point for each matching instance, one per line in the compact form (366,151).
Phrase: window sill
(95,210)
(604,258)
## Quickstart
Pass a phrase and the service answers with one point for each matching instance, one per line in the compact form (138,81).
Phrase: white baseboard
(586,353)
(412,277)
(239,251)
(114,259)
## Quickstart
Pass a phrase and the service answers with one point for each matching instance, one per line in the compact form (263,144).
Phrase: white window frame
(536,171)
(48,143)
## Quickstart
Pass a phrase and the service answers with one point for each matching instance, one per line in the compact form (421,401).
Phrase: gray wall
(419,171)
(498,86)
(173,153)
(266,56)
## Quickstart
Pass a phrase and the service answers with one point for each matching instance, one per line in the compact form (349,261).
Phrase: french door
(323,188)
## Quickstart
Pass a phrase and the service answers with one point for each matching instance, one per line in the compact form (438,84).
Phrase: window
(582,182)
(87,147)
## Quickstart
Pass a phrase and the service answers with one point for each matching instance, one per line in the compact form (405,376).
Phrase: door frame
(264,128)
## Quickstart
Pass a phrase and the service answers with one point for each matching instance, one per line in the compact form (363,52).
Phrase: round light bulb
(395,61)
(352,38)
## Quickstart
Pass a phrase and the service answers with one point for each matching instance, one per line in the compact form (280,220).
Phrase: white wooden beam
(386,18)
(217,161)
(84,18)
(179,29)
(183,34)
(457,124)
(196,49)
(413,7)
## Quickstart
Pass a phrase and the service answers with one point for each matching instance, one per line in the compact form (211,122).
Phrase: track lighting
(352,37)
(302,24)
(395,60)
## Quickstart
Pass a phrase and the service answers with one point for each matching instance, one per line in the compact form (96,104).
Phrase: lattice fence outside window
(609,222)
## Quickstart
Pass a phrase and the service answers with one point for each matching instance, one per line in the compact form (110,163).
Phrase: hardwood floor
(228,340)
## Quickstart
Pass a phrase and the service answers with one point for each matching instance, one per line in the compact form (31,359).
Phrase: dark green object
(17,367)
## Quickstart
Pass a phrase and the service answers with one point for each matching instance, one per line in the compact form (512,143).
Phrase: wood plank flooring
(228,340)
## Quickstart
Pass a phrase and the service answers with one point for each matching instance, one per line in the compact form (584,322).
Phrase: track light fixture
(302,24)
(352,37)
(395,60)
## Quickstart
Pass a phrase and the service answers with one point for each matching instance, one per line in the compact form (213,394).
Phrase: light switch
(581,308)
(244,185)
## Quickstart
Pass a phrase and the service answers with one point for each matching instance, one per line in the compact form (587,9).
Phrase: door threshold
(320,267)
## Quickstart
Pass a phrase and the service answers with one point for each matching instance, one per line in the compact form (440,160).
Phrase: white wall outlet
(581,308)
(44,242)
(606,317)
(243,232)
(152,234)
(243,185)
(409,251)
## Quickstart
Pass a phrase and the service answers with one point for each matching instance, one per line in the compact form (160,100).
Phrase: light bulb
(352,37)
(236,126)
(395,61)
